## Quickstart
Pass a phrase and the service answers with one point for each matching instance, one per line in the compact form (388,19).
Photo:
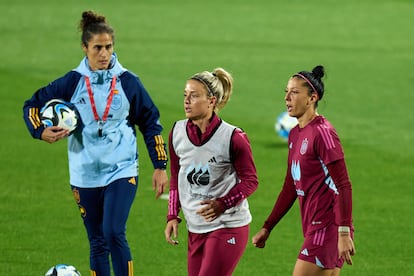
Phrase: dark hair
(313,80)
(92,24)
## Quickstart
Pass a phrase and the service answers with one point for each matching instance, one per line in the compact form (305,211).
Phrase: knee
(114,235)
(98,246)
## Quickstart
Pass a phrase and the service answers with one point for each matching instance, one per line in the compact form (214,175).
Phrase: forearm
(243,163)
(282,205)
(284,202)
(343,203)
(174,205)
(238,193)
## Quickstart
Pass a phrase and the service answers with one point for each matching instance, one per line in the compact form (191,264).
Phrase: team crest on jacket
(304,146)
(116,101)
(198,175)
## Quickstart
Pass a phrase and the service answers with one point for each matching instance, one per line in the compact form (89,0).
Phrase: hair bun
(89,18)
(318,72)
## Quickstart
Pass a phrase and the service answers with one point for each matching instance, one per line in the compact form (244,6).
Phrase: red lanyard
(92,100)
(108,103)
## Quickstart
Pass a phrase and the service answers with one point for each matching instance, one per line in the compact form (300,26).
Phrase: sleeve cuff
(222,204)
(171,217)
(162,165)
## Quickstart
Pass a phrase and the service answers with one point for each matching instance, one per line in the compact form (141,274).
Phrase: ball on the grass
(59,113)
(284,123)
(63,270)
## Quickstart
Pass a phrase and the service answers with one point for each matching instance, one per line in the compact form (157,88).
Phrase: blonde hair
(219,83)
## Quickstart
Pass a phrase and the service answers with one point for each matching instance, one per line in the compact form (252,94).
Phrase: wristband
(344,229)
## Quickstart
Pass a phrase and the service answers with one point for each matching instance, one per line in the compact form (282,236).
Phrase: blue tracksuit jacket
(96,161)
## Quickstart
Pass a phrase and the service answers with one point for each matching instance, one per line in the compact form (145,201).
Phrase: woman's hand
(212,209)
(259,240)
(171,228)
(346,247)
(159,182)
(53,134)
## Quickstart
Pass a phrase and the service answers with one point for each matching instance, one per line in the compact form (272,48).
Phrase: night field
(365,46)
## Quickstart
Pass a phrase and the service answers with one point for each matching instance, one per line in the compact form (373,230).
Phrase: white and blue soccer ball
(63,270)
(59,113)
(284,123)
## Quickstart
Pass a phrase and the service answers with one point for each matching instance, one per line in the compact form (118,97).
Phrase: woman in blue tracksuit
(103,156)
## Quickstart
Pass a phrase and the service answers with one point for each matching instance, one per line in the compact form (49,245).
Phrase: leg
(304,268)
(223,250)
(336,272)
(90,202)
(319,254)
(195,252)
(119,196)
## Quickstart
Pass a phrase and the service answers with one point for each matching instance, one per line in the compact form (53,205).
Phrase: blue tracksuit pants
(105,212)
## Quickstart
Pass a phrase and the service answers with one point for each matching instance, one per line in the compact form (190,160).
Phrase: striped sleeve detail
(173,204)
(326,136)
(34,117)
(160,148)
(232,200)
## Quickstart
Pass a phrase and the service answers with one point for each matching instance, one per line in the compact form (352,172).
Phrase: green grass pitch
(366,47)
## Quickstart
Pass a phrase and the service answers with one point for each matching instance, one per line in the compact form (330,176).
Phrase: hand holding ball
(59,113)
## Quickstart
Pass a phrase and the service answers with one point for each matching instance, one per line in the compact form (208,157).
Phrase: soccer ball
(284,123)
(57,112)
(63,270)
